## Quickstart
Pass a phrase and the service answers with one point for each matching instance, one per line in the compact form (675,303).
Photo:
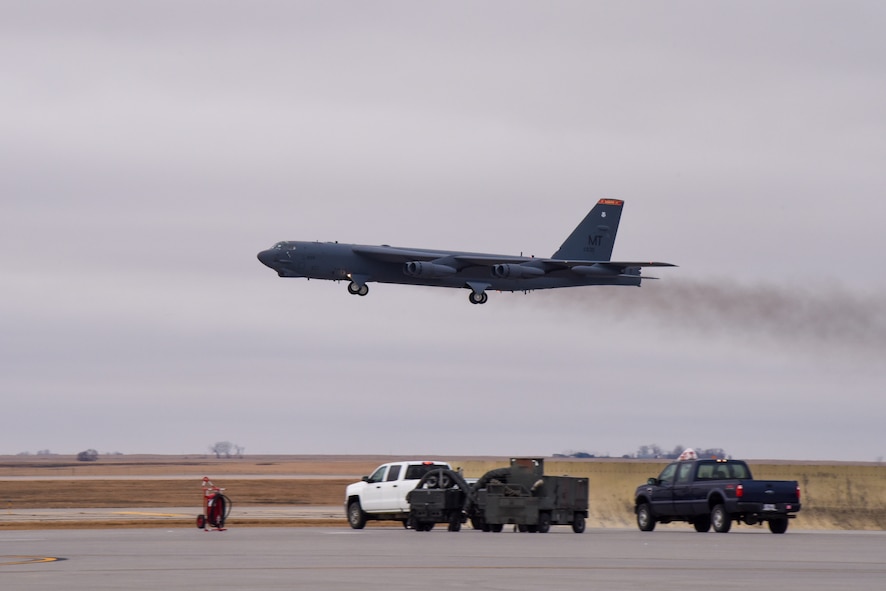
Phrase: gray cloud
(149,150)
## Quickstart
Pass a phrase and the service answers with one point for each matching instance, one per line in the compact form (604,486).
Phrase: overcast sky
(149,150)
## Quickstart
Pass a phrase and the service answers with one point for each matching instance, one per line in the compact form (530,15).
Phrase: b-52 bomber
(583,259)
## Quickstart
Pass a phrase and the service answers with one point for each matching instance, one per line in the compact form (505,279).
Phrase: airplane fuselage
(340,262)
(582,260)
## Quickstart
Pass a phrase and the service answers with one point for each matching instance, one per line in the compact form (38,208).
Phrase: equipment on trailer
(521,495)
(216,508)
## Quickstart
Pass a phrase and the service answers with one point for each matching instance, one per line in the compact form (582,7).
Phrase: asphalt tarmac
(332,558)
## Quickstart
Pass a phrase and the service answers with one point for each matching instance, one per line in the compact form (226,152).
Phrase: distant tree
(90,455)
(712,452)
(649,451)
(222,448)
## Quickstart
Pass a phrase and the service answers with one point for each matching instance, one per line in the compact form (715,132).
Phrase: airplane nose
(266,257)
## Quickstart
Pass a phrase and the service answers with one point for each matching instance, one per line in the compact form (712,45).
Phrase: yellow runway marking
(12,560)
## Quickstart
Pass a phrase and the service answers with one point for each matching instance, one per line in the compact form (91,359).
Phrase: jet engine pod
(425,269)
(505,271)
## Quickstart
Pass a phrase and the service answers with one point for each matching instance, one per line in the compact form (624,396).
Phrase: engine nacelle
(506,271)
(428,270)
(594,271)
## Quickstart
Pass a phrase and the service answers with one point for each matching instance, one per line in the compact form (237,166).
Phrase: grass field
(835,495)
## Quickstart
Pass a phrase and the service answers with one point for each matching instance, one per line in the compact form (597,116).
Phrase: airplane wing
(391,254)
(490,260)
(614,264)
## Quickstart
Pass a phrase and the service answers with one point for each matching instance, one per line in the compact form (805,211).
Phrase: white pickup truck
(382,496)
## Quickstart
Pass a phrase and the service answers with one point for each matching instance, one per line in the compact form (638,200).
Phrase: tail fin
(594,237)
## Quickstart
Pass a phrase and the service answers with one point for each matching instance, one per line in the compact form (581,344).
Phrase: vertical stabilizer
(594,237)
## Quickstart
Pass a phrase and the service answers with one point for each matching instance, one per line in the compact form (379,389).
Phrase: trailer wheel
(778,526)
(201,521)
(544,523)
(455,523)
(356,516)
(496,527)
(645,519)
(720,519)
(578,523)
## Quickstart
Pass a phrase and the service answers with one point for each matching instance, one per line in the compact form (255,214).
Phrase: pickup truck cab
(382,495)
(715,493)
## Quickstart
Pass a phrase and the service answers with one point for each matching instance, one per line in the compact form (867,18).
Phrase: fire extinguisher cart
(216,508)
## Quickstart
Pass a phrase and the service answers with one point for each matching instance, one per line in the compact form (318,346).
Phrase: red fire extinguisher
(216,508)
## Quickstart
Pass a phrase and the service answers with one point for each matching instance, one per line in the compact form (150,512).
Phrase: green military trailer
(439,496)
(520,495)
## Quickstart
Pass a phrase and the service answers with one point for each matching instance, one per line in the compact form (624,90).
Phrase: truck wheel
(356,516)
(455,523)
(778,526)
(544,523)
(702,524)
(578,523)
(496,527)
(720,520)
(645,519)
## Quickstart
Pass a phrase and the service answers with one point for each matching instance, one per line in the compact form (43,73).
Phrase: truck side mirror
(365,479)
(653,482)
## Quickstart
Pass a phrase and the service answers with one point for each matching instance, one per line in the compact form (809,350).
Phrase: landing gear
(358,289)
(478,297)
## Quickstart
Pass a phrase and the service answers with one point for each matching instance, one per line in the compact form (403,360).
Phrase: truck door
(372,498)
(683,489)
(663,494)
(393,487)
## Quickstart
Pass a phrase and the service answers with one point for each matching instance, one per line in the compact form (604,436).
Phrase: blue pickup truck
(715,493)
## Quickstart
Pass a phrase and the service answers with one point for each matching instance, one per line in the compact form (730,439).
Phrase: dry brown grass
(835,496)
(67,494)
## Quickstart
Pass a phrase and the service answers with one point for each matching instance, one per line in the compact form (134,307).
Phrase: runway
(332,558)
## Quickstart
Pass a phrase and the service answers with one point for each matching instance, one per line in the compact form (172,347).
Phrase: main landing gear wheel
(478,298)
(357,289)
